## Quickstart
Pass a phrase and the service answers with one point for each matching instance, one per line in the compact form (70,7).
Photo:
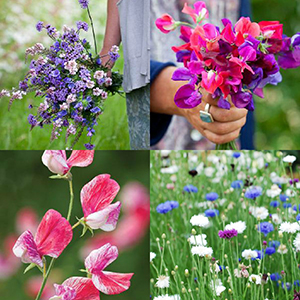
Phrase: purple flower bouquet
(71,81)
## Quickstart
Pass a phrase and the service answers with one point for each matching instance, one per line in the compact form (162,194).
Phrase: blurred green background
(278,114)
(24,182)
(17,32)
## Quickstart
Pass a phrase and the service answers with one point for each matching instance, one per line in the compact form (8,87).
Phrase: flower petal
(26,248)
(98,194)
(55,161)
(112,283)
(53,234)
(99,259)
(84,287)
(64,292)
(105,219)
(81,158)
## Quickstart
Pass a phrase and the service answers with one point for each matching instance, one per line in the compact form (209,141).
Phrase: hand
(227,123)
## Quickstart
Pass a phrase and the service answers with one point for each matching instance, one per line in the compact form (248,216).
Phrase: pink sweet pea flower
(271,29)
(76,288)
(199,13)
(166,23)
(211,81)
(56,160)
(109,283)
(246,27)
(53,235)
(96,197)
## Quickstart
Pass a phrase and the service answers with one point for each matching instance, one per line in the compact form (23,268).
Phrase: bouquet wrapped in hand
(232,63)
(71,81)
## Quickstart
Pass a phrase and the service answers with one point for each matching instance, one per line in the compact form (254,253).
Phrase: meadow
(224,225)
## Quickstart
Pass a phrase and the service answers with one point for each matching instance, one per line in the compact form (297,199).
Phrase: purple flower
(243,100)
(113,56)
(82,25)
(265,228)
(212,196)
(32,120)
(89,146)
(187,96)
(95,110)
(55,73)
(39,26)
(84,3)
(227,234)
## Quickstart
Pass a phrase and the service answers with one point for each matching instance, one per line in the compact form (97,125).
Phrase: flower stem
(71,200)
(75,225)
(45,279)
(93,29)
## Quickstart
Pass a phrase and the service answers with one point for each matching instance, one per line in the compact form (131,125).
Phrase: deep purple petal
(242,99)
(226,21)
(287,61)
(223,103)
(182,74)
(187,97)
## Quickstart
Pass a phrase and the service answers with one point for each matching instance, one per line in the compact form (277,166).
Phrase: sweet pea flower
(211,81)
(271,29)
(96,197)
(166,23)
(246,27)
(198,13)
(52,237)
(56,160)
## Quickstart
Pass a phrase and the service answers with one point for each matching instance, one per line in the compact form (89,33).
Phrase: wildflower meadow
(224,225)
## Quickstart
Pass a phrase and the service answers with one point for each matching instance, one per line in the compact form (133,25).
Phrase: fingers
(221,139)
(224,115)
(222,128)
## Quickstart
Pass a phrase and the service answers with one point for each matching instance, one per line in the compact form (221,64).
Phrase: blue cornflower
(212,196)
(167,206)
(82,25)
(270,250)
(173,203)
(32,120)
(274,244)
(297,282)
(296,208)
(260,254)
(236,154)
(99,61)
(211,213)
(39,26)
(253,192)
(287,205)
(265,228)
(84,3)
(275,276)
(89,146)
(275,203)
(190,189)
(287,286)
(238,184)
(298,217)
(95,110)
(283,197)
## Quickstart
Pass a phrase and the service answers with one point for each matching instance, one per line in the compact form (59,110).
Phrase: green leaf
(30,267)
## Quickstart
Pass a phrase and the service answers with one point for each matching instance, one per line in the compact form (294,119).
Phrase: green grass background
(24,182)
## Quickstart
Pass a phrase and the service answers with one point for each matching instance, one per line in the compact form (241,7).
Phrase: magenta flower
(246,27)
(211,81)
(52,237)
(80,288)
(56,160)
(198,13)
(227,234)
(187,96)
(96,197)
(166,23)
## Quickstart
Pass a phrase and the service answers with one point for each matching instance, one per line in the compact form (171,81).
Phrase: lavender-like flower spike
(39,26)
(84,3)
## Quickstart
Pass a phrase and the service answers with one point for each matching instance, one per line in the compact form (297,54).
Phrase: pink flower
(166,23)
(56,160)
(211,81)
(106,282)
(246,27)
(53,235)
(76,288)
(96,197)
(199,13)
(271,29)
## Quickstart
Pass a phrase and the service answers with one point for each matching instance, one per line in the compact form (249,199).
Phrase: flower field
(224,225)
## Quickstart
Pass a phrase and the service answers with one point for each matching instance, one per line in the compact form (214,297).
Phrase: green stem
(93,29)
(75,225)
(45,279)
(71,200)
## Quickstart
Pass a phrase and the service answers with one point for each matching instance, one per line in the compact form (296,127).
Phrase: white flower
(274,191)
(255,279)
(209,171)
(296,242)
(289,227)
(259,212)
(198,240)
(217,286)
(152,255)
(71,66)
(90,84)
(240,226)
(169,170)
(199,220)
(71,98)
(289,159)
(282,249)
(276,219)
(99,74)
(248,254)
(167,297)
(163,281)
(290,193)
(202,251)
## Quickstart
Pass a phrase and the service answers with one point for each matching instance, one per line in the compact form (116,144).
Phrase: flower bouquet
(231,64)
(72,82)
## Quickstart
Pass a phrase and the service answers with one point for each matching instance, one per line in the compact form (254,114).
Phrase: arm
(227,125)
(112,31)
